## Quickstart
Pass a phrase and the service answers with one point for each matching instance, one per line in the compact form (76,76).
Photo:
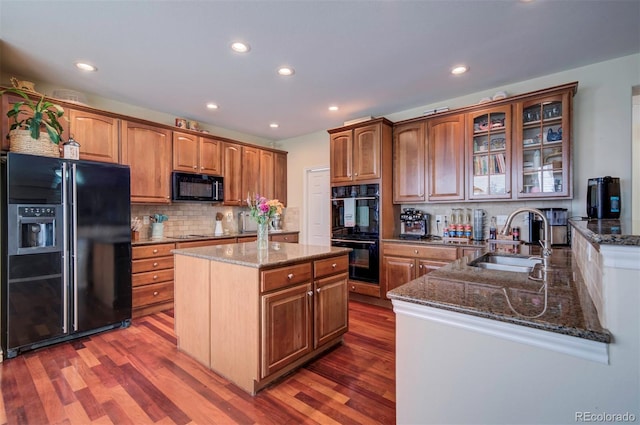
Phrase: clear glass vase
(263,235)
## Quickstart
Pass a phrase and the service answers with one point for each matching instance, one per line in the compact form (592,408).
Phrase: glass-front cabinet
(489,153)
(543,147)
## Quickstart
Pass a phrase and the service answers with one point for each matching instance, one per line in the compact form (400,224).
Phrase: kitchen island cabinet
(254,315)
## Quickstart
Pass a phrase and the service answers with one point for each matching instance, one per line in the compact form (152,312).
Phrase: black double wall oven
(355,212)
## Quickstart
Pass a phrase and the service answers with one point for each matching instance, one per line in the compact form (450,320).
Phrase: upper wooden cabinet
(232,172)
(489,153)
(250,172)
(280,177)
(409,177)
(266,180)
(196,154)
(97,134)
(543,146)
(445,153)
(356,152)
(147,150)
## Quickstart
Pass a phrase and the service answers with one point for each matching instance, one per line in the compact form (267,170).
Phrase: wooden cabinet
(445,154)
(98,135)
(543,145)
(286,327)
(489,153)
(280,177)
(255,325)
(232,172)
(356,152)
(250,172)
(196,154)
(266,182)
(147,151)
(403,262)
(284,237)
(409,176)
(152,278)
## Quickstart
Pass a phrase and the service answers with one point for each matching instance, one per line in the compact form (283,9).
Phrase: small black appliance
(603,197)
(414,224)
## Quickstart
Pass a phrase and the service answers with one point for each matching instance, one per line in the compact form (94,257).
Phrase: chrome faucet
(546,243)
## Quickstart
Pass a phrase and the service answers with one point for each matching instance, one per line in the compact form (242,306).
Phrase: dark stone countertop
(438,241)
(608,231)
(472,290)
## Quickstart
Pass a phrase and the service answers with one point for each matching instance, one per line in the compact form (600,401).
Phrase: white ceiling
(369,57)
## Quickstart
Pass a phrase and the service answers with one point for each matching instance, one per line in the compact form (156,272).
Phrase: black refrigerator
(66,250)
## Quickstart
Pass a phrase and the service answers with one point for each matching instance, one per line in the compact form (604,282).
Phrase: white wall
(601,129)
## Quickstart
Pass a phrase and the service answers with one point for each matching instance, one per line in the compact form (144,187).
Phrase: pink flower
(264,208)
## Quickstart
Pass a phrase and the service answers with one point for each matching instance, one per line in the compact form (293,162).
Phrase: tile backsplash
(200,219)
(491,209)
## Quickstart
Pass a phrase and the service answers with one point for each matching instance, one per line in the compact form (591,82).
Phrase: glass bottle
(493,229)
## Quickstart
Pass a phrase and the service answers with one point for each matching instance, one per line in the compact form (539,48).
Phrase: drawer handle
(290,276)
(155,251)
(353,287)
(155,264)
(420,266)
(286,238)
(310,293)
(155,293)
(155,276)
(415,251)
(334,265)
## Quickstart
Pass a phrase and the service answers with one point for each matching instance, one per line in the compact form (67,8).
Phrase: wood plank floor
(137,376)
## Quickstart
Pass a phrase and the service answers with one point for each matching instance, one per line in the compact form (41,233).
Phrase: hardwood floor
(137,376)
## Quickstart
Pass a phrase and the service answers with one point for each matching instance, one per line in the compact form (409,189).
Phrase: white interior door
(318,207)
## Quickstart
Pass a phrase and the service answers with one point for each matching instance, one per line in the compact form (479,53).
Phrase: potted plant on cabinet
(35,125)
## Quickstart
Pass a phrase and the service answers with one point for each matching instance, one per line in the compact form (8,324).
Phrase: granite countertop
(248,254)
(190,237)
(487,293)
(608,231)
(437,241)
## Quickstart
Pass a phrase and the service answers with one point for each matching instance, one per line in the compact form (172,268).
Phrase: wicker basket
(21,142)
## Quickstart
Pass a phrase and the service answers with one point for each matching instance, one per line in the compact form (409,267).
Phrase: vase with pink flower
(262,210)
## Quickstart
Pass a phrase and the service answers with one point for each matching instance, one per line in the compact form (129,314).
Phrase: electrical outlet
(145,219)
(501,219)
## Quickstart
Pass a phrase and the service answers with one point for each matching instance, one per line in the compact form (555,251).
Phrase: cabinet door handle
(318,290)
(415,251)
(420,266)
(310,293)
(421,195)
(290,276)
(353,287)
(334,265)
(168,197)
(155,264)
(155,251)
(355,174)
(202,168)
(155,276)
(195,167)
(155,293)
(411,266)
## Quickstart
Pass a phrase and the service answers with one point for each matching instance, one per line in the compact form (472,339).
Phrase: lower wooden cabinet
(404,262)
(152,278)
(284,237)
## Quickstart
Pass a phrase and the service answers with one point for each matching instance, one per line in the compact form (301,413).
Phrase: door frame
(305,205)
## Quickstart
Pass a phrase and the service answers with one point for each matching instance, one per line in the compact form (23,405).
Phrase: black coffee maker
(603,197)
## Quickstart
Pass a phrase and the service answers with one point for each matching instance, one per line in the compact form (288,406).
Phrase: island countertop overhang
(277,254)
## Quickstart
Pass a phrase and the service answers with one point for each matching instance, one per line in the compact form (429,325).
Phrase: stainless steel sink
(507,263)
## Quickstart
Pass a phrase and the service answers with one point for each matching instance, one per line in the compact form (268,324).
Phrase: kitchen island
(252,315)
(511,350)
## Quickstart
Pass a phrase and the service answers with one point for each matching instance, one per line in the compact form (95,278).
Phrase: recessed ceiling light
(459,69)
(85,66)
(286,71)
(333,108)
(274,125)
(212,106)
(240,47)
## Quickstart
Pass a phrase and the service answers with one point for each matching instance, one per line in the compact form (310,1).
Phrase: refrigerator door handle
(74,240)
(65,250)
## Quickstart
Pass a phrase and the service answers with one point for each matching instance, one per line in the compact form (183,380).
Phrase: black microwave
(188,187)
